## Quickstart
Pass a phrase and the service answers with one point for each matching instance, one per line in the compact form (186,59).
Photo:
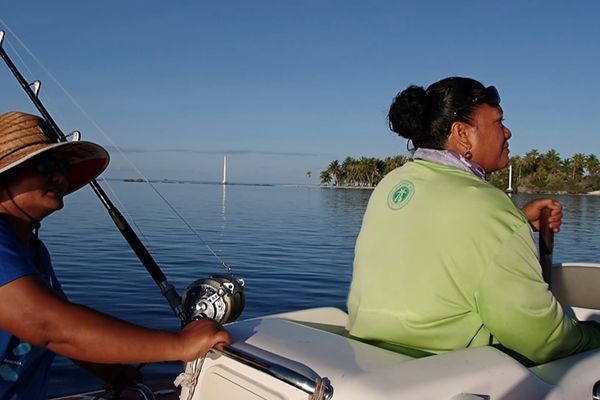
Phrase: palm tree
(592,165)
(391,163)
(369,171)
(349,171)
(550,161)
(325,177)
(577,164)
(531,161)
(335,172)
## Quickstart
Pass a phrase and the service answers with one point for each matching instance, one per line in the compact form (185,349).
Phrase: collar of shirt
(451,158)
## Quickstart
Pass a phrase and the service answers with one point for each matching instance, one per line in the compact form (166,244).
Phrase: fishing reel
(220,297)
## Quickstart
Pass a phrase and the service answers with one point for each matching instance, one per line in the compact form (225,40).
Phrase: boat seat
(314,343)
(359,370)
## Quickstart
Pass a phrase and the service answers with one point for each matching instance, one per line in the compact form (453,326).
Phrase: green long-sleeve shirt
(446,261)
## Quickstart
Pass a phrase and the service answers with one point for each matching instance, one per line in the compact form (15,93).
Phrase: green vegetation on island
(136,180)
(532,173)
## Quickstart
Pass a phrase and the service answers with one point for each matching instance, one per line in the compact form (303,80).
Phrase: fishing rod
(546,246)
(220,297)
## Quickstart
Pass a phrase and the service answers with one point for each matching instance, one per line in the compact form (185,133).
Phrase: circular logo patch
(400,195)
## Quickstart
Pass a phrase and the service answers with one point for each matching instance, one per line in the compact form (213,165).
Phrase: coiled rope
(189,379)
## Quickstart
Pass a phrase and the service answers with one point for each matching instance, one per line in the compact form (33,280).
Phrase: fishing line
(19,57)
(116,147)
(37,61)
(129,216)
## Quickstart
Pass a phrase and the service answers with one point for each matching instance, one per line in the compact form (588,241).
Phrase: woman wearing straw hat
(35,175)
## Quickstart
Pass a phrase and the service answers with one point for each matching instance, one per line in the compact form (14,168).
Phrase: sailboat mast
(224,170)
(509,189)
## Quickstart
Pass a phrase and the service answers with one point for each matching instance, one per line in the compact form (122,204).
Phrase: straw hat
(22,137)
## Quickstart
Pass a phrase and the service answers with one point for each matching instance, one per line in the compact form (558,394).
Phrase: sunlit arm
(33,312)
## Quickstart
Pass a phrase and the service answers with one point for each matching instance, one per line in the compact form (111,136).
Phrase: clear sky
(284,87)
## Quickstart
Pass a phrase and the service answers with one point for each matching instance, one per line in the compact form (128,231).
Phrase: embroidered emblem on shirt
(400,195)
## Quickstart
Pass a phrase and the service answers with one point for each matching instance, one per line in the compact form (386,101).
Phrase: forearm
(519,310)
(32,311)
(88,335)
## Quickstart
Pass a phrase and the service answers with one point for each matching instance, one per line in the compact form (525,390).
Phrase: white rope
(319,393)
(189,380)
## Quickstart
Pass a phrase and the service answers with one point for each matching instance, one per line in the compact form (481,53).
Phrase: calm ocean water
(292,245)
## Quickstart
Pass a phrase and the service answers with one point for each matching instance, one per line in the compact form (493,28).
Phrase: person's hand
(533,212)
(200,336)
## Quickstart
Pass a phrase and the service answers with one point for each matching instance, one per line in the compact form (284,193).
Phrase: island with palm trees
(532,173)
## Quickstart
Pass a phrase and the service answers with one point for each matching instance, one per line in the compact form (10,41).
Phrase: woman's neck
(22,228)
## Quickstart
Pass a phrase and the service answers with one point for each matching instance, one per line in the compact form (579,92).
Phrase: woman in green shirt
(444,260)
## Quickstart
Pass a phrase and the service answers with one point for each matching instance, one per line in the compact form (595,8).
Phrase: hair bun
(408,113)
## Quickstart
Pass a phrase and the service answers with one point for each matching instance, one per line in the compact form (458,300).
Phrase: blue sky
(284,87)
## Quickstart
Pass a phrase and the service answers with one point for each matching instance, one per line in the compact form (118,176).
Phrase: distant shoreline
(327,186)
(594,193)
(561,193)
(348,187)
(344,187)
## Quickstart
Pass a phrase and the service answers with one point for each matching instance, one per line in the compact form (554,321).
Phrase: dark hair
(425,115)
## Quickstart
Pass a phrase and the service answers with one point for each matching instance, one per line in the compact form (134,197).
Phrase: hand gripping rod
(166,288)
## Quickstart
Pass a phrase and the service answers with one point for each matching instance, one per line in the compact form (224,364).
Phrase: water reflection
(346,205)
(224,201)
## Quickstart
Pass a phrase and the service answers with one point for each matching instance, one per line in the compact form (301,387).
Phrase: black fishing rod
(546,246)
(56,134)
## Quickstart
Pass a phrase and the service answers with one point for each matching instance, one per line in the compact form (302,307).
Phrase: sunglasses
(489,95)
(47,165)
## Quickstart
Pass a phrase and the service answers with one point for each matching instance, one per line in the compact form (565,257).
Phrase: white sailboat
(224,181)
(509,189)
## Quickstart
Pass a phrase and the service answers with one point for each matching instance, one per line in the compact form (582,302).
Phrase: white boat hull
(314,343)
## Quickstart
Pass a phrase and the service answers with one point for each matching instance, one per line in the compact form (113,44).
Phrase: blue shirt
(23,367)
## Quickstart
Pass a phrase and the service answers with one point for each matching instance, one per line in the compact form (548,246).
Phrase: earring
(468,154)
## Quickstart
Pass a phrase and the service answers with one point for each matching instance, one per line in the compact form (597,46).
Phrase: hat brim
(86,160)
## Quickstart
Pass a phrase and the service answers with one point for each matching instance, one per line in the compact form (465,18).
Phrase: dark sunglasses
(48,165)
(489,95)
